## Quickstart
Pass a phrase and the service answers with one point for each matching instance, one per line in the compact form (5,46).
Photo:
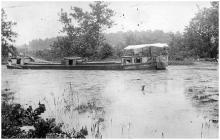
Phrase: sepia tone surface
(95,69)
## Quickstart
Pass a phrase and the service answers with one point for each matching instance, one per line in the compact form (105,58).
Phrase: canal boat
(137,57)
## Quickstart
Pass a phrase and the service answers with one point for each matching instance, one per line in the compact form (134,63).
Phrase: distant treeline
(117,41)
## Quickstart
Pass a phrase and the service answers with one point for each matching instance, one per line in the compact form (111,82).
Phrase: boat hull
(86,67)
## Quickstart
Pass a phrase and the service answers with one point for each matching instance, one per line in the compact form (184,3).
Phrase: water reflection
(128,104)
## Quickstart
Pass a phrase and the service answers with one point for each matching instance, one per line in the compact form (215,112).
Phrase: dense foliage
(105,51)
(200,39)
(84,30)
(177,49)
(201,36)
(7,35)
(18,122)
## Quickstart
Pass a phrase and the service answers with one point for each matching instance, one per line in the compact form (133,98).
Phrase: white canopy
(160,45)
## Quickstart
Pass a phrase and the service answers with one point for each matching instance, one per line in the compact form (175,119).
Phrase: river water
(180,102)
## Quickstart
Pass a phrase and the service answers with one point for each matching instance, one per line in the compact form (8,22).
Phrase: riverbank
(179,62)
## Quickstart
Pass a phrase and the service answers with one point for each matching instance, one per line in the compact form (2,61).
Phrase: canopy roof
(160,45)
(72,58)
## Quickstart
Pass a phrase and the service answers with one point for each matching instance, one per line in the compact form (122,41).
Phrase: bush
(105,51)
(18,122)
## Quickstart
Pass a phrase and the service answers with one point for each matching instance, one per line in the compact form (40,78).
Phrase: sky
(40,20)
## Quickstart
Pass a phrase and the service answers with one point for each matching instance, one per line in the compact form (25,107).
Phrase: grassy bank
(180,62)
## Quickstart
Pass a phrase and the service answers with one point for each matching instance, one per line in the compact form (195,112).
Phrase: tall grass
(73,112)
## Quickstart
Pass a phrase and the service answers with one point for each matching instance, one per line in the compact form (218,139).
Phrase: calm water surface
(180,102)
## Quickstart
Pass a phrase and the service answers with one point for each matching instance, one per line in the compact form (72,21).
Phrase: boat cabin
(137,54)
(127,60)
(71,61)
(20,60)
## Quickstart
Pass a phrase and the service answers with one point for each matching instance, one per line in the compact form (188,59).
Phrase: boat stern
(161,62)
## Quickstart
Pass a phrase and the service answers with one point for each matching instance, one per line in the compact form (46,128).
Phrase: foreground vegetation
(20,122)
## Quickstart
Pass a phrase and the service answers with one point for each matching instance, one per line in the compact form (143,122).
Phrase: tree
(84,29)
(62,47)
(201,36)
(105,51)
(177,47)
(7,35)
